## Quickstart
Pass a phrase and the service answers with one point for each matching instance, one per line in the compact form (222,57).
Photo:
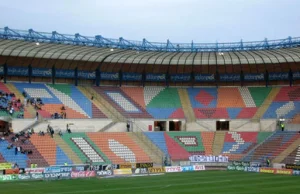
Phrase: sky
(180,21)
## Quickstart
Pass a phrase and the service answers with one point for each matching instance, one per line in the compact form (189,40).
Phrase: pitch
(206,182)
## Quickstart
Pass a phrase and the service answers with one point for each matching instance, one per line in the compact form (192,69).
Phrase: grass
(204,182)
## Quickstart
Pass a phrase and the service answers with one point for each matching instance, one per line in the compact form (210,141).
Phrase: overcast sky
(158,20)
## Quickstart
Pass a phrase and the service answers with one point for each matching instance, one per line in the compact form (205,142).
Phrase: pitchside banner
(254,77)
(83,174)
(204,77)
(202,158)
(87,74)
(230,77)
(155,170)
(64,73)
(124,171)
(292,166)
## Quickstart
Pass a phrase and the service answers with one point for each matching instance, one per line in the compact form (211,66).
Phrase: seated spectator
(2,139)
(10,146)
(41,133)
(63,108)
(60,133)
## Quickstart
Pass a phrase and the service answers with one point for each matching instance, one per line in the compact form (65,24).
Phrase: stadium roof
(53,45)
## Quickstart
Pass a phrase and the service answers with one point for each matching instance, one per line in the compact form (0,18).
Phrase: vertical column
(97,77)
(29,73)
(5,73)
(53,74)
(76,76)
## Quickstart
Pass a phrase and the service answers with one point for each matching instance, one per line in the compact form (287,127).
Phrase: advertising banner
(80,168)
(122,166)
(252,169)
(202,158)
(52,169)
(278,76)
(61,175)
(156,77)
(292,166)
(124,171)
(230,77)
(38,176)
(173,169)
(231,167)
(255,164)
(155,170)
(296,75)
(34,170)
(87,74)
(139,170)
(144,165)
(198,167)
(267,170)
(41,72)
(132,76)
(180,77)
(187,168)
(296,172)
(83,174)
(11,177)
(109,76)
(283,171)
(4,166)
(104,173)
(24,177)
(204,77)
(254,77)
(64,73)
(17,71)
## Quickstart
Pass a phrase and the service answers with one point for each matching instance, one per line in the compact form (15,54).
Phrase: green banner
(11,177)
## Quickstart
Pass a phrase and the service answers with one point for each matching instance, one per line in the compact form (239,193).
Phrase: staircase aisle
(218,142)
(67,149)
(186,105)
(265,105)
(152,151)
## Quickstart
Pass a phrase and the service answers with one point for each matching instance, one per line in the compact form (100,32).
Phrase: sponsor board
(296,172)
(255,164)
(37,176)
(155,170)
(52,170)
(144,165)
(254,77)
(17,71)
(187,168)
(231,167)
(124,171)
(11,177)
(57,175)
(204,77)
(104,173)
(278,76)
(252,169)
(132,76)
(296,75)
(173,169)
(180,77)
(4,166)
(64,73)
(139,170)
(104,167)
(267,170)
(284,171)
(34,170)
(292,166)
(202,158)
(198,167)
(87,74)
(83,174)
(24,177)
(109,76)
(156,77)
(41,72)
(123,166)
(230,77)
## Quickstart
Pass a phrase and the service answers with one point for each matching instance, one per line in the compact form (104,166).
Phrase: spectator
(16,150)
(60,133)
(37,115)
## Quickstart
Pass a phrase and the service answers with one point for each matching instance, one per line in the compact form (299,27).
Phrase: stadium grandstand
(72,101)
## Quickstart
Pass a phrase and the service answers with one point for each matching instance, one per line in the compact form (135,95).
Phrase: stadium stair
(29,111)
(265,105)
(207,140)
(61,157)
(218,142)
(287,151)
(67,149)
(297,157)
(158,139)
(247,98)
(186,105)
(119,147)
(108,109)
(150,149)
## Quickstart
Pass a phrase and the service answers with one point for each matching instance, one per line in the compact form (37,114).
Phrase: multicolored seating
(58,95)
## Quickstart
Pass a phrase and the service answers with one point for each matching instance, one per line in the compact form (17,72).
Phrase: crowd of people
(9,104)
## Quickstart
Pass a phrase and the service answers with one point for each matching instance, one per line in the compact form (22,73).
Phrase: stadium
(90,114)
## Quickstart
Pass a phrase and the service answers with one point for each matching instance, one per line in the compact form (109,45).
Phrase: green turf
(206,182)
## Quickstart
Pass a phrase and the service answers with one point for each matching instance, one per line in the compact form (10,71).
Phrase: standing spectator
(37,115)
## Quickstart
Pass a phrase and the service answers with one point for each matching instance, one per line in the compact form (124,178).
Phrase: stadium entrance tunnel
(160,125)
(222,125)
(175,125)
(4,126)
